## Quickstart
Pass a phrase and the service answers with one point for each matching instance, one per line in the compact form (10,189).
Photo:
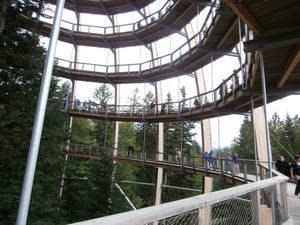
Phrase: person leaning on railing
(295,173)
(282,166)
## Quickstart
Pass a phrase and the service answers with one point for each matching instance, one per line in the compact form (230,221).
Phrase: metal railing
(165,60)
(228,87)
(108,30)
(245,204)
(244,169)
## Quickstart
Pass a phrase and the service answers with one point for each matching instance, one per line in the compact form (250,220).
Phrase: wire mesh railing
(248,204)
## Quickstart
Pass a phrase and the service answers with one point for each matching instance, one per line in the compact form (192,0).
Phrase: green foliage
(284,135)
(243,145)
(83,131)
(103,130)
(102,94)
(181,180)
(21,66)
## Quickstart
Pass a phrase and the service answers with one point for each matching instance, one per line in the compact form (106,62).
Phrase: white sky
(222,68)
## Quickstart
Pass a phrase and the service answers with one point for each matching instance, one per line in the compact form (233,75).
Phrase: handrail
(167,59)
(236,169)
(229,86)
(116,29)
(255,195)
(194,205)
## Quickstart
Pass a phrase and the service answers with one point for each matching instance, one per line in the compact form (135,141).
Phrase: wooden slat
(290,65)
(241,10)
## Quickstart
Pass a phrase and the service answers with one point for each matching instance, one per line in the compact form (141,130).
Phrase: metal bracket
(106,11)
(140,40)
(108,45)
(136,9)
(171,28)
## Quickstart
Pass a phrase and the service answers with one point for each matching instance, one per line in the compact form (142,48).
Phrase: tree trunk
(3,8)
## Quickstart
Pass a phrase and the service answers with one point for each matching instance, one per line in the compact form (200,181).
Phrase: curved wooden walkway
(171,18)
(104,6)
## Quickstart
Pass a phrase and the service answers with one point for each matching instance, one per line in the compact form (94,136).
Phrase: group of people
(209,160)
(89,106)
(292,170)
(232,162)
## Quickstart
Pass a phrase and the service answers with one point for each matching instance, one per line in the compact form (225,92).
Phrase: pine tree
(243,145)
(21,66)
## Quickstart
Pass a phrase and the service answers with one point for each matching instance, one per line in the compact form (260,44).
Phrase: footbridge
(232,96)
(248,203)
(248,170)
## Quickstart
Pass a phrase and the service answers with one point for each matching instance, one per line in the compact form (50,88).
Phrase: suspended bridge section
(247,171)
(248,203)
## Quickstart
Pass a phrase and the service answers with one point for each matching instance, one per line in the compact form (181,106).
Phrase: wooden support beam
(241,10)
(274,41)
(228,33)
(254,70)
(180,17)
(133,6)
(247,103)
(290,65)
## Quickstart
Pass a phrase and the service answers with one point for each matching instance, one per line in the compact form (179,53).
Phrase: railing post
(255,212)
(106,111)
(245,172)
(179,110)
(194,163)
(222,167)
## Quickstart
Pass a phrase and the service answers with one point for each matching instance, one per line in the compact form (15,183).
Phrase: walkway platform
(293,204)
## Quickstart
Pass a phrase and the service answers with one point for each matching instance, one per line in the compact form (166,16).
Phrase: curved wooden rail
(147,30)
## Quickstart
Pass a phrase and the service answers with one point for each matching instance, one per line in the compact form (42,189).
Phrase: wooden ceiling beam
(232,26)
(241,10)
(290,65)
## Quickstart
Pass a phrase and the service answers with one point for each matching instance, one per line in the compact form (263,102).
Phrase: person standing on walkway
(178,156)
(236,163)
(295,173)
(205,159)
(211,160)
(282,166)
(228,162)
